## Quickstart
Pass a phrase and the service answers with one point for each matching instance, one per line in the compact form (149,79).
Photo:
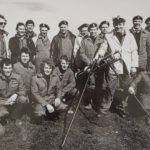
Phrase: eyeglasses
(2,23)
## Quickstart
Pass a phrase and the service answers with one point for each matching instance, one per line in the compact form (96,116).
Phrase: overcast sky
(75,11)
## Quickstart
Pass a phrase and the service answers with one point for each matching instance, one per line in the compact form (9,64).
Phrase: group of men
(39,74)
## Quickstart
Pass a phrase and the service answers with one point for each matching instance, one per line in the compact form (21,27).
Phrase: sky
(75,12)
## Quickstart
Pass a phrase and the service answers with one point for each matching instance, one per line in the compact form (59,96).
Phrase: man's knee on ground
(74,93)
(3,111)
(39,110)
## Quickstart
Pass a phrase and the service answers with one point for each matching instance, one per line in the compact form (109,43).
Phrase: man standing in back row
(83,32)
(143,42)
(42,46)
(62,43)
(89,47)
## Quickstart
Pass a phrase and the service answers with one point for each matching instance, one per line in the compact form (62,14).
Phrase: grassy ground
(88,132)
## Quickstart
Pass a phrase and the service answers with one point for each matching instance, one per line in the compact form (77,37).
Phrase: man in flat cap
(89,47)
(31,35)
(90,44)
(141,37)
(147,22)
(62,43)
(42,46)
(104,26)
(122,41)
(30,30)
(102,91)
(83,32)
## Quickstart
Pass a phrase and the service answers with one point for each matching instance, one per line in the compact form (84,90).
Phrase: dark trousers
(89,91)
(71,97)
(104,92)
(14,112)
(121,95)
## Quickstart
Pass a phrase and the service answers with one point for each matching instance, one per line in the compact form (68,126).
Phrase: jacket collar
(64,36)
(29,65)
(98,38)
(43,38)
(59,72)
(123,33)
(18,36)
(133,30)
(12,76)
(68,34)
(102,36)
(40,75)
(31,34)
(112,35)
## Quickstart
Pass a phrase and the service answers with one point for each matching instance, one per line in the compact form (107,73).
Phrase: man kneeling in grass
(12,93)
(142,84)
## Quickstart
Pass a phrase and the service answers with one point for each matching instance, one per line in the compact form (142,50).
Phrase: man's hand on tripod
(131,90)
(87,68)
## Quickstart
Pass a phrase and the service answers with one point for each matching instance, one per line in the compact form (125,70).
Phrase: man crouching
(43,89)
(141,88)
(66,86)
(12,93)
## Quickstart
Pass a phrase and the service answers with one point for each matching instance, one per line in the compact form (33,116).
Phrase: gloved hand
(116,56)
(87,68)
(50,108)
(8,102)
(131,90)
(57,102)
(12,99)
(133,70)
(98,59)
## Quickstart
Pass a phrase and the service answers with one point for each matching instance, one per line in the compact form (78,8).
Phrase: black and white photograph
(74,75)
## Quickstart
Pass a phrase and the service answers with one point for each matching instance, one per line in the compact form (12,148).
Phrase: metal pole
(74,115)
(145,110)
